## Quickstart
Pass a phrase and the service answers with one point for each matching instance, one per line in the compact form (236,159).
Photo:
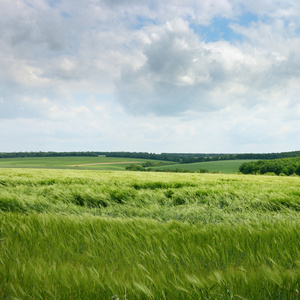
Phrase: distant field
(113,163)
(225,166)
(78,162)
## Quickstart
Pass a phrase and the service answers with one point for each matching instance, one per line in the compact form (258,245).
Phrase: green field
(76,234)
(111,163)
(80,162)
(223,166)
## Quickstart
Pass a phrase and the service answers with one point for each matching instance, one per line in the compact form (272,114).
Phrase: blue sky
(219,28)
(156,76)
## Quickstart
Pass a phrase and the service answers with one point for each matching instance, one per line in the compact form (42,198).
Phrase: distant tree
(287,166)
(202,171)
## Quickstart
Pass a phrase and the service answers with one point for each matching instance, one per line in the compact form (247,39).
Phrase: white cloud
(61,61)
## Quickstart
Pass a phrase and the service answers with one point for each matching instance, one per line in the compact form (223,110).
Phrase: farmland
(115,163)
(91,163)
(81,234)
(223,166)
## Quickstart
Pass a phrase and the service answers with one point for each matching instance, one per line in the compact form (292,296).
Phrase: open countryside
(223,166)
(150,150)
(70,233)
(116,163)
(107,163)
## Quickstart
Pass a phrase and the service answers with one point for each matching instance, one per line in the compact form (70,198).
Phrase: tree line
(44,154)
(282,166)
(183,158)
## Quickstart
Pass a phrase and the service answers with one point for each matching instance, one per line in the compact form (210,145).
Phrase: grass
(223,166)
(75,234)
(105,163)
(111,163)
(73,257)
(162,196)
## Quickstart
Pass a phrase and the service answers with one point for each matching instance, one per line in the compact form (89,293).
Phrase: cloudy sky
(154,76)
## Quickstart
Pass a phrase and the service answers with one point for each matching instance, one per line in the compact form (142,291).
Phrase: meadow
(72,162)
(82,234)
(116,163)
(223,166)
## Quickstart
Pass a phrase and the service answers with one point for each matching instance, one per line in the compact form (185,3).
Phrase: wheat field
(67,234)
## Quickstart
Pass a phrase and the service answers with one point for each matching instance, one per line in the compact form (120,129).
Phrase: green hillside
(224,166)
(71,162)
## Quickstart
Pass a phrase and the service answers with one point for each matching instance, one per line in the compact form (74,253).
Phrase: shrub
(202,171)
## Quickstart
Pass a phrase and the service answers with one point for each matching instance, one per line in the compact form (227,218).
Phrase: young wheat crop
(107,235)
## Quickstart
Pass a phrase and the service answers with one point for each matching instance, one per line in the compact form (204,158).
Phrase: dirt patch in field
(108,163)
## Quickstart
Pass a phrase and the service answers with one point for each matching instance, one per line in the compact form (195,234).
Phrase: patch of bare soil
(108,163)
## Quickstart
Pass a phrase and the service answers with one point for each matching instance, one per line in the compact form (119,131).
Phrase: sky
(206,76)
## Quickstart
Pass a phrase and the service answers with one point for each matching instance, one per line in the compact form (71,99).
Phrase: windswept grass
(62,257)
(126,235)
(193,198)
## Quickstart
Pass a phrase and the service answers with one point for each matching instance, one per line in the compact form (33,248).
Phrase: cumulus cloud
(64,62)
(182,72)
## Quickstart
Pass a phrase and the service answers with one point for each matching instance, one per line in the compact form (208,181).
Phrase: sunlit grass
(130,235)
(192,198)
